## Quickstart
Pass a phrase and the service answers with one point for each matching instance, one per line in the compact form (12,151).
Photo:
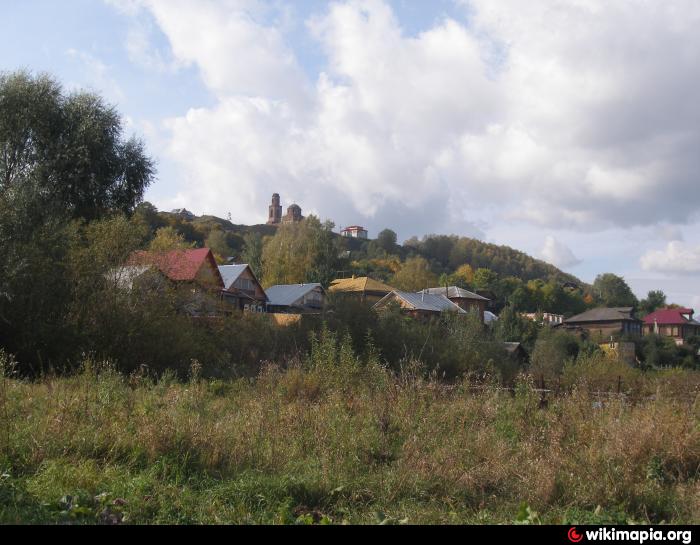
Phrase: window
(244,284)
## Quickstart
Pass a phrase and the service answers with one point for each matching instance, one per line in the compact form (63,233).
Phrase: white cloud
(557,253)
(677,258)
(554,113)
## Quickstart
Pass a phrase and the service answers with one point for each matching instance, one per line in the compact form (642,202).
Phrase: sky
(568,129)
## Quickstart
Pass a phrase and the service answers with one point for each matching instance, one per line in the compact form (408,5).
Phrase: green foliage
(386,240)
(415,275)
(299,253)
(553,350)
(253,253)
(655,300)
(612,291)
(65,154)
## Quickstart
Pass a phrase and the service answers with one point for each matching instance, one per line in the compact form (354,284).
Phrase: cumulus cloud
(558,114)
(558,254)
(678,257)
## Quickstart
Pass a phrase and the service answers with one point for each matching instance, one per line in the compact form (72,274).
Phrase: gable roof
(360,284)
(231,273)
(285,295)
(603,314)
(422,301)
(179,265)
(454,292)
(670,316)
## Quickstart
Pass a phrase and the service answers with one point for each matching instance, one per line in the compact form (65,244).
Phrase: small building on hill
(418,305)
(242,289)
(295,298)
(464,299)
(676,323)
(355,231)
(363,288)
(603,323)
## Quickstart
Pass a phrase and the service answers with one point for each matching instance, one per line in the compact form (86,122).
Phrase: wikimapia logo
(636,536)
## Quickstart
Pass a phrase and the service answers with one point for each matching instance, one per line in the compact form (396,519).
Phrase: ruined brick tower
(275,216)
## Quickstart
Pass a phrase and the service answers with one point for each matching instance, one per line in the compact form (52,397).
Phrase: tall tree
(612,291)
(386,240)
(655,300)
(415,275)
(65,153)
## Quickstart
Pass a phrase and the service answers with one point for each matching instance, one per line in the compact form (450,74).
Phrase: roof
(230,273)
(453,292)
(354,228)
(489,317)
(286,295)
(360,284)
(603,314)
(178,265)
(512,347)
(423,301)
(670,316)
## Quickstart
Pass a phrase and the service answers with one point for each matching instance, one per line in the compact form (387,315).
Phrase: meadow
(335,439)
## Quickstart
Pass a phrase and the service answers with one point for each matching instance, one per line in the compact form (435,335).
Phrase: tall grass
(338,439)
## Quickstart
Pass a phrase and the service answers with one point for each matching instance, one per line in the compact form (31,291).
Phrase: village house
(603,323)
(464,299)
(193,269)
(418,305)
(544,318)
(295,298)
(355,231)
(242,289)
(676,323)
(363,288)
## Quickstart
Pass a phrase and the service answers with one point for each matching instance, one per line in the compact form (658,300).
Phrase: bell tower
(275,214)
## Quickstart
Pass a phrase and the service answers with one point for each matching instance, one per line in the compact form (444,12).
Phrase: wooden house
(603,323)
(295,298)
(676,323)
(466,300)
(363,288)
(418,305)
(242,289)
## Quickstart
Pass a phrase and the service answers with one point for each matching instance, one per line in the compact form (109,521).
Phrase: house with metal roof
(418,305)
(242,289)
(193,269)
(363,287)
(464,299)
(195,265)
(603,323)
(295,298)
(677,323)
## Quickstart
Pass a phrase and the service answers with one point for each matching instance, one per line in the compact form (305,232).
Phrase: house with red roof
(193,269)
(677,323)
(195,265)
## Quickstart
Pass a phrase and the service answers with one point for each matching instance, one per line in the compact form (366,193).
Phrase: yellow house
(365,288)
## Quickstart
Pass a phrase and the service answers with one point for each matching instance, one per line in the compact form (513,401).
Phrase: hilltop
(446,253)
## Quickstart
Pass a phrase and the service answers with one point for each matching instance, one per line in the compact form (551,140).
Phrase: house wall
(471,304)
(257,291)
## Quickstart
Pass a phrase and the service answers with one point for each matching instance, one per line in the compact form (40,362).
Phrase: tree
(655,299)
(217,242)
(65,154)
(612,291)
(387,240)
(167,238)
(300,253)
(415,275)
(253,252)
(485,279)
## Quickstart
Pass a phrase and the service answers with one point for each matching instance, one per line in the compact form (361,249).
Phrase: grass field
(347,444)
